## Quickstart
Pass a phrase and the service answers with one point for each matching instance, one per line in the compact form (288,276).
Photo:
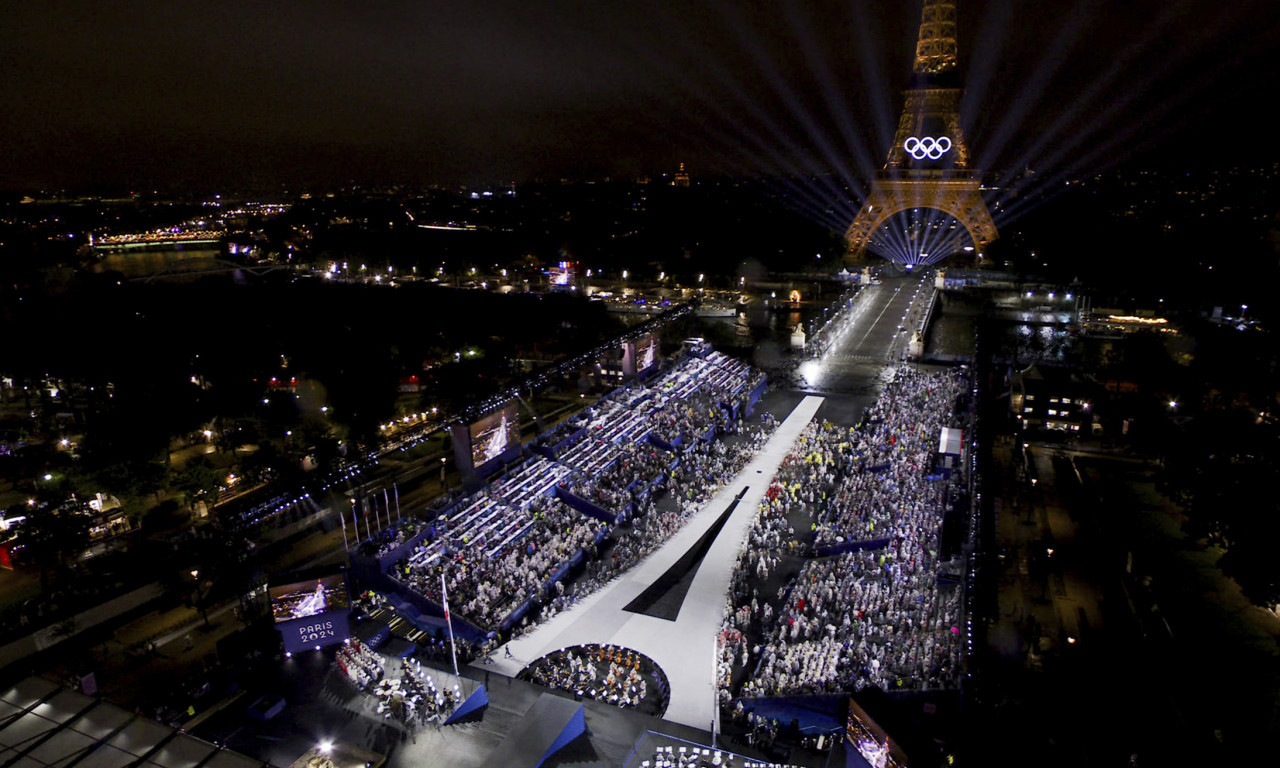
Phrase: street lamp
(443,460)
(195,576)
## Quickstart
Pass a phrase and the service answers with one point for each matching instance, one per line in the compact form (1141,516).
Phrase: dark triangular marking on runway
(663,598)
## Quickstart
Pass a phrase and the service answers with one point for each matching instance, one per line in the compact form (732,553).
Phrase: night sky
(180,94)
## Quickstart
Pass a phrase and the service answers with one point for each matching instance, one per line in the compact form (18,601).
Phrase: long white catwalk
(685,649)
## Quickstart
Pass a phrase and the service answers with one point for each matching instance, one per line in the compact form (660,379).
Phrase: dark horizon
(169,96)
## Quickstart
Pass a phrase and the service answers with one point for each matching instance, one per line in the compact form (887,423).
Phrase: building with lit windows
(1054,398)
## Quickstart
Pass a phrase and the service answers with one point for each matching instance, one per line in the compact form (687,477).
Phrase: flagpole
(386,503)
(453,649)
(343,519)
(396,490)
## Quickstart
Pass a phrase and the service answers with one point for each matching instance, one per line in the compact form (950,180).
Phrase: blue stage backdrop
(311,609)
(315,631)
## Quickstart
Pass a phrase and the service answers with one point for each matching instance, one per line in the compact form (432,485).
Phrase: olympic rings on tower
(928,147)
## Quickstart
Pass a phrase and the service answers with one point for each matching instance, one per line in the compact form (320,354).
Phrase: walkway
(685,649)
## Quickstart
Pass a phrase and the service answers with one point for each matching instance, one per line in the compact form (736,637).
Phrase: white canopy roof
(43,725)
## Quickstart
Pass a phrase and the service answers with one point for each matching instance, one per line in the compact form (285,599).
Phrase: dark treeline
(1198,239)
(178,355)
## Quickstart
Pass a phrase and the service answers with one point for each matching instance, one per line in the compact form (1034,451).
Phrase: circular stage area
(608,673)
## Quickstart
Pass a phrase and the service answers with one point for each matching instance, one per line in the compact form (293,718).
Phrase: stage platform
(683,647)
(549,726)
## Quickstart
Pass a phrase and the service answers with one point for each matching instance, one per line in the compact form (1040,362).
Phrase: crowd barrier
(813,714)
(663,444)
(588,508)
(844,547)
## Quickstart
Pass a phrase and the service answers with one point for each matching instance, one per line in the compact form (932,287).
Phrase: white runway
(685,649)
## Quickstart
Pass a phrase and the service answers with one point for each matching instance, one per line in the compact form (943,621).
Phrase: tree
(198,481)
(52,540)
(133,479)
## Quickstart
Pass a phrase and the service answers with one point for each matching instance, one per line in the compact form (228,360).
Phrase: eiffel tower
(928,164)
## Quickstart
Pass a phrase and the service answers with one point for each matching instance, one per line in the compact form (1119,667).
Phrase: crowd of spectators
(859,619)
(360,663)
(503,546)
(613,488)
(704,468)
(694,756)
(486,587)
(895,446)
(875,615)
(687,418)
(386,541)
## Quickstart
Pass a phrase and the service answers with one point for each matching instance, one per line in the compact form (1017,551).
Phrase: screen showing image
(308,598)
(494,434)
(870,740)
(562,275)
(646,353)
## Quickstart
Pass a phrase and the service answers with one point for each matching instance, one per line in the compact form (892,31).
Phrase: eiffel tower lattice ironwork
(928,164)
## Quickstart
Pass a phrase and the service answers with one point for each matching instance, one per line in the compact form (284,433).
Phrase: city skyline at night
(667,384)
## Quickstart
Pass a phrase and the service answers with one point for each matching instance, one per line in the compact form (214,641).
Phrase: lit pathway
(870,338)
(685,649)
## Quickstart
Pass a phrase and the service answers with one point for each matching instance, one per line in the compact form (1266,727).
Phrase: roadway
(856,365)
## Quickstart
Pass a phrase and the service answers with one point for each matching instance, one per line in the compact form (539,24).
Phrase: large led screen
(305,599)
(646,353)
(315,631)
(492,435)
(311,613)
(870,741)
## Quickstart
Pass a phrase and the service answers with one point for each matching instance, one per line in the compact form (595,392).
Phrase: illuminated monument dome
(928,166)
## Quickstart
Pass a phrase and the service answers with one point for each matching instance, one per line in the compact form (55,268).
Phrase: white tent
(44,724)
(951,441)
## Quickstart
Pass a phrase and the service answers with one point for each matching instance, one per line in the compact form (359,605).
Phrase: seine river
(142,262)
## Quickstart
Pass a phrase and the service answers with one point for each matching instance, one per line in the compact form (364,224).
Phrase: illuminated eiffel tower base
(928,165)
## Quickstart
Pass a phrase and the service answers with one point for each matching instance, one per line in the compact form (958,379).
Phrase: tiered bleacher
(506,547)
